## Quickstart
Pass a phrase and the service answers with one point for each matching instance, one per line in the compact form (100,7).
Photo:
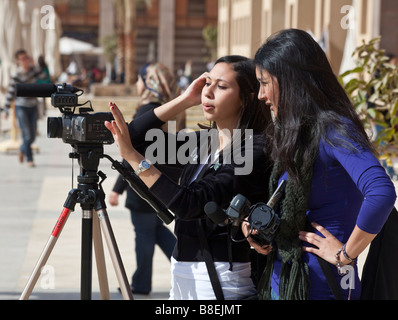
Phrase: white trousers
(191,281)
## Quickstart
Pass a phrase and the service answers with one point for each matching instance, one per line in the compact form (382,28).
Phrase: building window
(77,6)
(196,8)
(141,7)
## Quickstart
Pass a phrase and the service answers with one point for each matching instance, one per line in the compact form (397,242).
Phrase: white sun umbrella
(45,40)
(348,61)
(10,39)
(52,48)
(70,46)
(25,17)
(38,36)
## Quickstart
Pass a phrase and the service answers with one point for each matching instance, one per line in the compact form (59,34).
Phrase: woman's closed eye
(220,86)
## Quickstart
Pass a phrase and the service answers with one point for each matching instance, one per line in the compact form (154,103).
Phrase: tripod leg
(115,254)
(45,254)
(86,255)
(100,260)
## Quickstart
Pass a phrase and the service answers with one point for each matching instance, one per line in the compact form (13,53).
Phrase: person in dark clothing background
(26,109)
(156,85)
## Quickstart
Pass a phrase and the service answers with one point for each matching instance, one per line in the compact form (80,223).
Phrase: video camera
(75,129)
(262,217)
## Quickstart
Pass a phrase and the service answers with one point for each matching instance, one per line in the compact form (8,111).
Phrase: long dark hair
(311,100)
(254,114)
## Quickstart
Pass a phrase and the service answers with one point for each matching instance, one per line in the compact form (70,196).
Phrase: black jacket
(215,183)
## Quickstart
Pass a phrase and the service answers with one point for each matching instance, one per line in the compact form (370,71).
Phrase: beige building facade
(246,24)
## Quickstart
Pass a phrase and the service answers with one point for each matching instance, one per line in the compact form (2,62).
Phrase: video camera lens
(54,128)
(264,219)
(216,214)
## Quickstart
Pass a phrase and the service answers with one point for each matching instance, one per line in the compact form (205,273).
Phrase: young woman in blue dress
(336,184)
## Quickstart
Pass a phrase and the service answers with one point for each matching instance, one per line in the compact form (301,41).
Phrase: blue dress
(348,188)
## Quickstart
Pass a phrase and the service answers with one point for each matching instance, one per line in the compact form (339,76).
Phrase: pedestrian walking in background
(26,109)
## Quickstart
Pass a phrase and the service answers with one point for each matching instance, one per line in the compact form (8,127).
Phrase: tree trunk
(126,30)
(120,55)
(130,60)
(129,41)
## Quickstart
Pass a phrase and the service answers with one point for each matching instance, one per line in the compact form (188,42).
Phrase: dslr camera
(75,129)
(261,217)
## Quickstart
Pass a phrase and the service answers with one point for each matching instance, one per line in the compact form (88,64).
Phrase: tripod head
(89,192)
(89,159)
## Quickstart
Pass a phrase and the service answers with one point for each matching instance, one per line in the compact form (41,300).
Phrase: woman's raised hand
(193,94)
(120,132)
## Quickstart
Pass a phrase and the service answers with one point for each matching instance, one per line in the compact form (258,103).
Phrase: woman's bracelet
(346,255)
(339,264)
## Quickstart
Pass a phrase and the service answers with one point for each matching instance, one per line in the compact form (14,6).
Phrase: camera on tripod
(82,128)
(87,134)
(261,217)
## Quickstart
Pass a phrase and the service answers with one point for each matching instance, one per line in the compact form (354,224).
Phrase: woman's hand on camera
(120,132)
(247,231)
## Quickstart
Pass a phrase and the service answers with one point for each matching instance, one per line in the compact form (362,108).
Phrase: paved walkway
(31,201)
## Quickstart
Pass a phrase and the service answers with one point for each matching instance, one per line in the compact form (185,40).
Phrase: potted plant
(373,89)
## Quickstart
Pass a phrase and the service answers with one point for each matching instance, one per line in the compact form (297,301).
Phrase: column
(107,23)
(166,38)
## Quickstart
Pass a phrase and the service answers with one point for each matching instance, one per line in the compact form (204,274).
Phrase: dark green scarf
(294,276)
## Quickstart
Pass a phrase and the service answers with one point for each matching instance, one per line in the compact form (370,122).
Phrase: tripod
(91,197)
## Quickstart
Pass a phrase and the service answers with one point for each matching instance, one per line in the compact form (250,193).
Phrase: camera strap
(331,280)
(211,269)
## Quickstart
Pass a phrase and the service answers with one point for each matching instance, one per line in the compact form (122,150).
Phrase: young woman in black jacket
(228,94)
